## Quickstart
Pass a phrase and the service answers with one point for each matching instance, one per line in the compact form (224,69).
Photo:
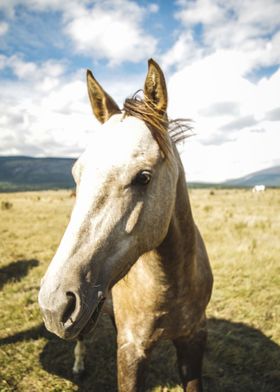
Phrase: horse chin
(91,323)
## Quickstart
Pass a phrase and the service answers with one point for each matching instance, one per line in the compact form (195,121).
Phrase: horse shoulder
(204,276)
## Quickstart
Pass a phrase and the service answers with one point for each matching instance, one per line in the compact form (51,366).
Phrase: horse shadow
(238,358)
(16,270)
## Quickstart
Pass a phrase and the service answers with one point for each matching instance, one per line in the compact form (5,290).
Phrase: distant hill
(19,173)
(269,177)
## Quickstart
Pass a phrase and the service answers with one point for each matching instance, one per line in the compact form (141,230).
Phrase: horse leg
(190,357)
(80,353)
(79,364)
(132,363)
(114,322)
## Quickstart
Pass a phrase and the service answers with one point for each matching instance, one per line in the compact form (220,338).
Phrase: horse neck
(177,251)
(171,266)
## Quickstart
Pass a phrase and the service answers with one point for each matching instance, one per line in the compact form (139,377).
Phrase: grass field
(241,231)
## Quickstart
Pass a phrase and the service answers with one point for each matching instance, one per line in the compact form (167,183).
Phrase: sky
(220,59)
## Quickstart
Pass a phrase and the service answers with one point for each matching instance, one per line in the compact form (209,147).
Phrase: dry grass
(241,231)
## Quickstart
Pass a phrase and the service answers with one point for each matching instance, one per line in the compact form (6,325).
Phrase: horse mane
(159,124)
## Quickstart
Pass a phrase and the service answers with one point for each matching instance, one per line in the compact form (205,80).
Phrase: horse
(131,247)
(258,188)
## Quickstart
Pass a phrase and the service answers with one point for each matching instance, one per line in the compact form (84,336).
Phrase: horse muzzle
(66,315)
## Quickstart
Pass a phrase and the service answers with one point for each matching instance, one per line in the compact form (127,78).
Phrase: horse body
(258,188)
(164,295)
(132,243)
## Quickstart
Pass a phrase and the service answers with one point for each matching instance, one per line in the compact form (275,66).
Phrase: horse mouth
(90,325)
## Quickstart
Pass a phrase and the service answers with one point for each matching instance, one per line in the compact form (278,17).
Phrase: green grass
(241,231)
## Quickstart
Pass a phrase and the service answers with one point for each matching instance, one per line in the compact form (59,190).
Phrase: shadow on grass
(16,270)
(29,334)
(238,358)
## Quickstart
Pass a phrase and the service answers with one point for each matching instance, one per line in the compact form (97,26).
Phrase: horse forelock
(161,127)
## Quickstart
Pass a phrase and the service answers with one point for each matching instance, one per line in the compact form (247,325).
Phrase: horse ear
(155,87)
(102,104)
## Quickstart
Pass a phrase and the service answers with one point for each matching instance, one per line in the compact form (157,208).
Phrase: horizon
(221,62)
(187,179)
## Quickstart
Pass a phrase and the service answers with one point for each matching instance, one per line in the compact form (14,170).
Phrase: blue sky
(221,61)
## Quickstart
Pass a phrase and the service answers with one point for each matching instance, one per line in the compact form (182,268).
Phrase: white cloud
(47,73)
(103,29)
(263,16)
(43,113)
(153,8)
(236,120)
(201,11)
(112,30)
(249,153)
(184,51)
(4,27)
(218,45)
(41,5)
(23,70)
(227,109)
(253,31)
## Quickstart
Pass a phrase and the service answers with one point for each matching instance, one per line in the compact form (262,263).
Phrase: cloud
(222,108)
(47,74)
(4,27)
(263,17)
(233,25)
(250,152)
(153,8)
(212,80)
(273,115)
(257,130)
(9,7)
(45,109)
(227,109)
(112,30)
(216,67)
(205,11)
(240,123)
(184,51)
(43,112)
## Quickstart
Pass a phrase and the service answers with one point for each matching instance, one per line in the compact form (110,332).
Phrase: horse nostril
(70,307)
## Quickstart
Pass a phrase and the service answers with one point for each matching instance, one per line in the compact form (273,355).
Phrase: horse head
(126,185)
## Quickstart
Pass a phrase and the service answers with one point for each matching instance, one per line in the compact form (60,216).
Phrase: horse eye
(143,178)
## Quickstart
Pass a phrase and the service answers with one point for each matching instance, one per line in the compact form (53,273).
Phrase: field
(241,231)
